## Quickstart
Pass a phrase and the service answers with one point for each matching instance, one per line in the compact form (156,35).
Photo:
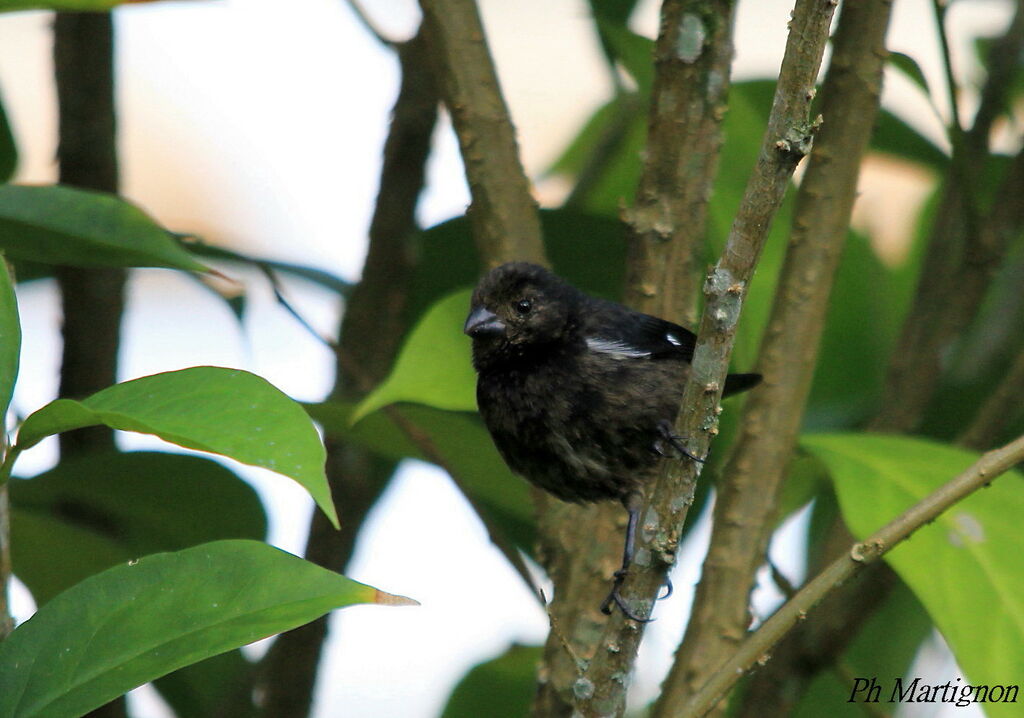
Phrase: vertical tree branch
(92,299)
(503,213)
(688,103)
(962,254)
(666,237)
(942,305)
(752,478)
(787,139)
(370,335)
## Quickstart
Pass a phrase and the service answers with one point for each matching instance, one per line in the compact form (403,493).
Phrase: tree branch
(1001,407)
(752,478)
(759,645)
(582,545)
(92,299)
(963,251)
(667,223)
(787,140)
(370,334)
(503,213)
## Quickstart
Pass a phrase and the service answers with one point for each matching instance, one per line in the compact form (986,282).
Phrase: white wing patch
(617,349)
(672,339)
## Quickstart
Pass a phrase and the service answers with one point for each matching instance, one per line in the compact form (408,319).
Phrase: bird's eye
(523,306)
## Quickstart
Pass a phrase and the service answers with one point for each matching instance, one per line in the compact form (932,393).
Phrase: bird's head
(516,309)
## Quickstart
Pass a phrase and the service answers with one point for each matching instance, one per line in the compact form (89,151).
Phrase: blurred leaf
(218,686)
(138,621)
(860,330)
(8,147)
(611,11)
(433,366)
(82,228)
(885,647)
(974,544)
(586,249)
(744,127)
(804,481)
(635,52)
(463,445)
(84,5)
(38,536)
(313,274)
(912,71)
(223,411)
(502,687)
(10,342)
(123,505)
(574,158)
(893,136)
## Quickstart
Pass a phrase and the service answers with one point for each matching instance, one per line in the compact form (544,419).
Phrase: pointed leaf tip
(384,598)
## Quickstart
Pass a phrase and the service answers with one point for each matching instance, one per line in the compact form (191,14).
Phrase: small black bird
(579,393)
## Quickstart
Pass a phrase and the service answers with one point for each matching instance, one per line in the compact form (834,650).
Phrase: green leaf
(434,366)
(860,329)
(965,566)
(589,250)
(313,274)
(217,686)
(63,225)
(141,620)
(10,340)
(911,70)
(635,52)
(896,137)
(885,647)
(224,411)
(461,443)
(8,147)
(122,505)
(502,687)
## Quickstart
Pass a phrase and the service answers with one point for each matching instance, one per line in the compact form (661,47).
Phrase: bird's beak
(483,322)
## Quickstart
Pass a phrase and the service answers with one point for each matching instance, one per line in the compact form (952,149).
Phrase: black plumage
(578,393)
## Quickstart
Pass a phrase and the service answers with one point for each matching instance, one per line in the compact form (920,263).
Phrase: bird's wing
(613,329)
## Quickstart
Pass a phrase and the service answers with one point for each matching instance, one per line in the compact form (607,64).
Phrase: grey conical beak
(483,322)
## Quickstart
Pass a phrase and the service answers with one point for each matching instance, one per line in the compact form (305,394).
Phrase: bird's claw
(615,597)
(667,435)
(668,589)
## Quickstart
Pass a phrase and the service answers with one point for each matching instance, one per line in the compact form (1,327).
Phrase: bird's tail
(735,383)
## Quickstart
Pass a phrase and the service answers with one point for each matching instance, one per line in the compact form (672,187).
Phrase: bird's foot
(614,597)
(668,436)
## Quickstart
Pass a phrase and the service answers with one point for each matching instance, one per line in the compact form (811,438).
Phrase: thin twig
(368,24)
(6,618)
(757,648)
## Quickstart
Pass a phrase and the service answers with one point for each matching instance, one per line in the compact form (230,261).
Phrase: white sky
(259,124)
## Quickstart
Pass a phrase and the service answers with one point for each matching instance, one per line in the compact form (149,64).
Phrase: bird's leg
(632,502)
(666,434)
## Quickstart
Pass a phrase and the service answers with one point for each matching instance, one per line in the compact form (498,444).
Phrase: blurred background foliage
(104,509)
